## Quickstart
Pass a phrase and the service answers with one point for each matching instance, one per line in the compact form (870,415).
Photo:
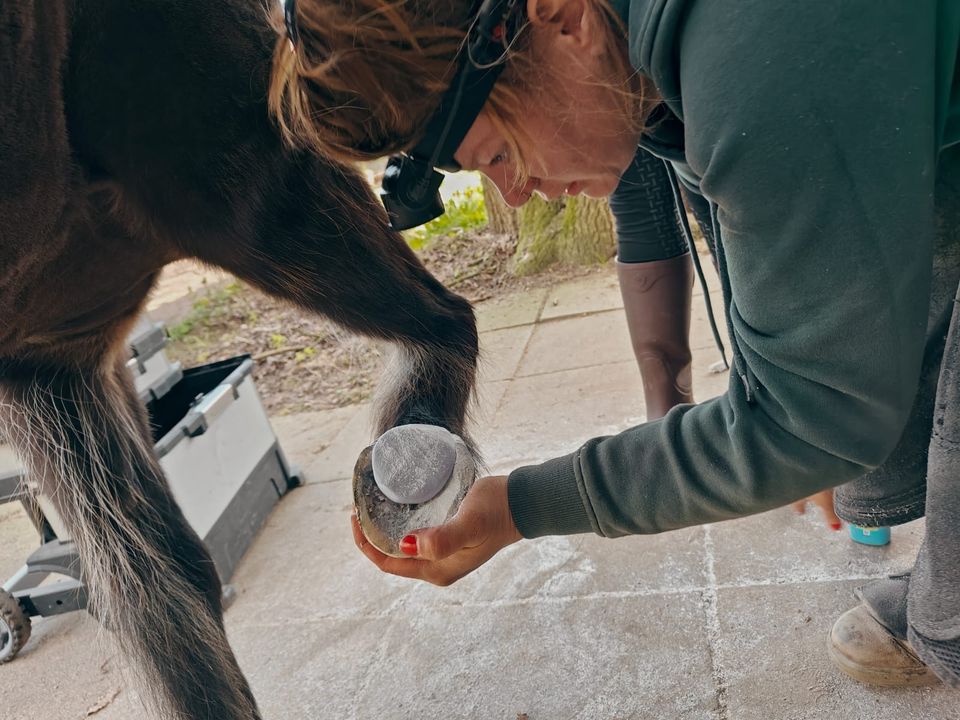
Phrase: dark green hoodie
(815,129)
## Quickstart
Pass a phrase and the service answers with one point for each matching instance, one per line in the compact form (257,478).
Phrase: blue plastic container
(870,535)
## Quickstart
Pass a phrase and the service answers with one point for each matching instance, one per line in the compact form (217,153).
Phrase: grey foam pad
(413,463)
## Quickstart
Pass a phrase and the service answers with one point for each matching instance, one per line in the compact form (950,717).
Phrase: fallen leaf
(103,702)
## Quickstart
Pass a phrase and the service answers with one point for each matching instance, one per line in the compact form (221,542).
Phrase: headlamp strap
(290,20)
(482,60)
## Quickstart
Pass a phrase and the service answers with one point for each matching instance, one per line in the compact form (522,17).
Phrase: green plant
(205,310)
(465,210)
(305,354)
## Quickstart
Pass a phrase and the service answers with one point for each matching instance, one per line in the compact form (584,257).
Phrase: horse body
(134,133)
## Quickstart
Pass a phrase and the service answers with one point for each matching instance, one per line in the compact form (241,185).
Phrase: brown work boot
(866,651)
(656,300)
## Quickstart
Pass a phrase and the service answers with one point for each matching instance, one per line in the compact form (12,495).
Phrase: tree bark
(571,230)
(501,218)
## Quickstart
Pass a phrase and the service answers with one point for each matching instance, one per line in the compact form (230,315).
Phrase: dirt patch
(306,362)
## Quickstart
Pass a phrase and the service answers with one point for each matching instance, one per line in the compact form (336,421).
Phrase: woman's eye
(497,159)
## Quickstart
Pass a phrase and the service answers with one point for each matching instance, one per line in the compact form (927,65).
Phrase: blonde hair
(366,75)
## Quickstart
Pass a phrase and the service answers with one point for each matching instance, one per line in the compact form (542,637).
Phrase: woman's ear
(573,20)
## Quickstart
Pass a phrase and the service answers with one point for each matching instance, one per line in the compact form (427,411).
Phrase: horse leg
(85,439)
(322,241)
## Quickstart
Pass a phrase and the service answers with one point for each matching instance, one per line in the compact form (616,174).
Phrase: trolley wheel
(14,627)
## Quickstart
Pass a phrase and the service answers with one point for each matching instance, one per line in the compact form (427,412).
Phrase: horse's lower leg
(82,435)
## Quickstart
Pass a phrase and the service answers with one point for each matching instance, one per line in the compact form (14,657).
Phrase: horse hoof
(412,477)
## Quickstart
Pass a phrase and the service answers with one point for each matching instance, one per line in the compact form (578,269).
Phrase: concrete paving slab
(18,539)
(579,658)
(304,566)
(65,669)
(520,308)
(304,436)
(336,461)
(555,569)
(543,416)
(726,623)
(701,337)
(772,651)
(600,291)
(599,338)
(486,401)
(312,670)
(577,342)
(597,292)
(709,274)
(780,547)
(515,437)
(482,427)
(546,415)
(317,620)
(501,351)
(708,383)
(481,422)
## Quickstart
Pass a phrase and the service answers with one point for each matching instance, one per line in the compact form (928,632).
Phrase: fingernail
(836,525)
(408,546)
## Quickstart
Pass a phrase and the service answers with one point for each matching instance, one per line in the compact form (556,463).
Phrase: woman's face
(566,158)
(579,141)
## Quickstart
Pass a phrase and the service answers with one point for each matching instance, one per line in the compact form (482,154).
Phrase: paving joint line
(713,630)
(325,482)
(572,369)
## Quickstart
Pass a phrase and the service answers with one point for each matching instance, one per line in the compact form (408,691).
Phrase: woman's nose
(514,195)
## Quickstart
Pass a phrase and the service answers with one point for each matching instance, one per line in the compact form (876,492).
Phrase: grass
(206,310)
(465,211)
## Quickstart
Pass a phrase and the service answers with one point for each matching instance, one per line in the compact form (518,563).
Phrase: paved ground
(727,622)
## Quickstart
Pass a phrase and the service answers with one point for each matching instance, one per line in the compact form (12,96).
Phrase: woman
(825,138)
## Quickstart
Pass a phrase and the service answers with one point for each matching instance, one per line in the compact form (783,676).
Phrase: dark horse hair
(134,133)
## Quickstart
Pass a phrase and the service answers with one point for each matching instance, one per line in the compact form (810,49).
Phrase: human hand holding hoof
(419,513)
(442,555)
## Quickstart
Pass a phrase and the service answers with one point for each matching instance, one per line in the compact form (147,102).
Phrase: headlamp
(411,181)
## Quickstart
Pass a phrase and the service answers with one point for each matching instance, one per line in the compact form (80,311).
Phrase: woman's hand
(442,555)
(824,501)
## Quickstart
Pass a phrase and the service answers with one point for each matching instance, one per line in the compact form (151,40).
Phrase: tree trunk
(571,230)
(501,218)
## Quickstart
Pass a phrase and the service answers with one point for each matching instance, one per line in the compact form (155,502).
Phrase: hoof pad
(413,463)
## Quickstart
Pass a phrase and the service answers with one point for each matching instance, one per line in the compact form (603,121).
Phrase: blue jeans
(922,476)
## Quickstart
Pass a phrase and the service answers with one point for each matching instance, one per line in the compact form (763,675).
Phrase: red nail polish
(836,525)
(408,546)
